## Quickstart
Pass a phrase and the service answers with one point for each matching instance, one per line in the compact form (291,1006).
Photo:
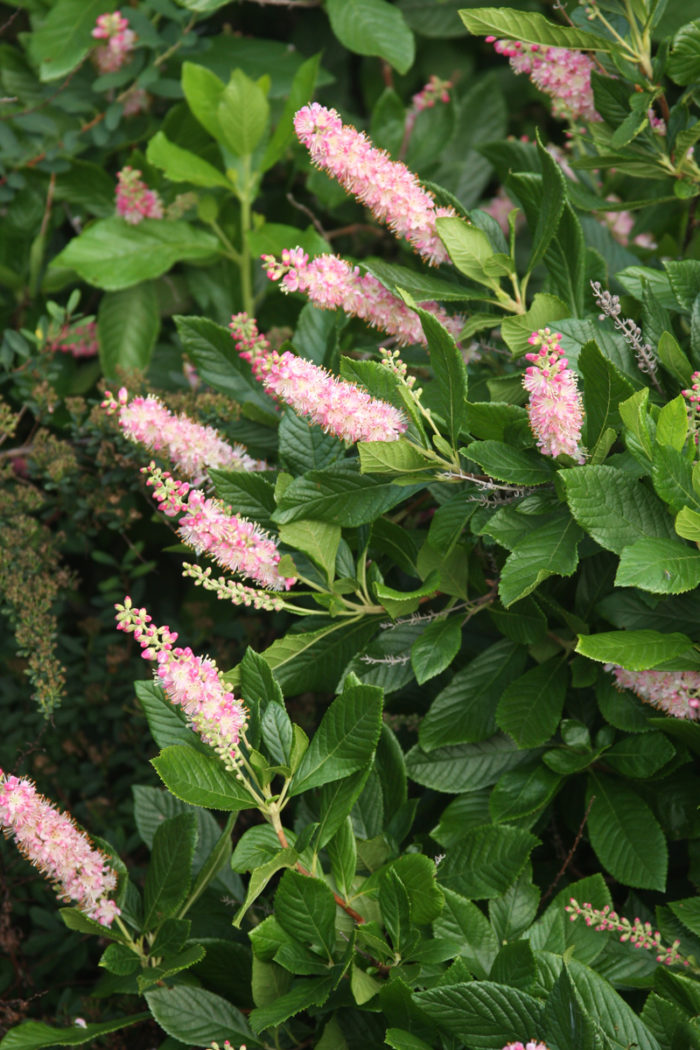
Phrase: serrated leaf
(111,254)
(211,349)
(486,861)
(468,247)
(449,370)
(603,388)
(462,923)
(242,114)
(305,993)
(200,780)
(684,60)
(373,27)
(634,650)
(318,539)
(464,710)
(522,792)
(549,550)
(516,330)
(63,38)
(128,323)
(197,1017)
(615,509)
(436,648)
(168,876)
(305,908)
(514,465)
(181,165)
(531,28)
(530,707)
(464,767)
(35,1035)
(660,566)
(344,741)
(625,834)
(489,1012)
(340,495)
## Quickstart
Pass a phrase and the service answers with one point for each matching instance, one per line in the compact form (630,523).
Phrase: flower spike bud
(555,408)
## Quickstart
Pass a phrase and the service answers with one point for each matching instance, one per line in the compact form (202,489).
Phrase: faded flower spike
(210,527)
(134,200)
(340,408)
(639,934)
(677,693)
(331,282)
(191,682)
(53,843)
(192,448)
(555,408)
(391,192)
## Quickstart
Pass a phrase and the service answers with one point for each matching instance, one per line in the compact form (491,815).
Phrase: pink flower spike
(331,282)
(340,408)
(210,527)
(391,192)
(676,693)
(555,408)
(54,844)
(193,683)
(561,73)
(120,40)
(134,200)
(192,447)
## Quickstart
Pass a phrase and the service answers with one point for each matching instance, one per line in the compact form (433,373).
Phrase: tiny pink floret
(134,201)
(555,407)
(192,447)
(676,693)
(53,843)
(388,188)
(339,407)
(119,42)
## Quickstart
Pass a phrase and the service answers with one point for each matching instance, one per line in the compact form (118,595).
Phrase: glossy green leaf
(549,550)
(634,650)
(625,834)
(35,1035)
(128,323)
(305,908)
(436,648)
(486,861)
(197,1017)
(684,59)
(490,1012)
(168,876)
(530,707)
(531,28)
(63,38)
(242,114)
(614,508)
(181,165)
(200,780)
(659,565)
(373,27)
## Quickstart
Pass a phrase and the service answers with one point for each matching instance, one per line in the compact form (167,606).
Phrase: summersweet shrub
(489,576)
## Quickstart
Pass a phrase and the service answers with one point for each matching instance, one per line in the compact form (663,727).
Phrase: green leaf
(284,858)
(464,767)
(604,387)
(486,861)
(660,566)
(549,550)
(203,91)
(464,710)
(565,1020)
(522,792)
(166,722)
(168,876)
(34,1035)
(544,311)
(614,508)
(303,448)
(242,114)
(687,524)
(489,1012)
(634,650)
(318,539)
(399,603)
(63,38)
(399,1039)
(301,996)
(417,874)
(394,457)
(300,93)
(111,254)
(672,424)
(468,247)
(128,323)
(373,27)
(181,165)
(618,1021)
(200,780)
(197,1017)
(248,492)
(436,648)
(625,834)
(395,908)
(344,741)
(514,465)
(531,706)
(640,756)
(305,908)
(674,360)
(342,853)
(463,924)
(305,661)
(549,214)
(420,285)
(672,476)
(449,370)
(277,733)
(684,60)
(340,495)
(531,28)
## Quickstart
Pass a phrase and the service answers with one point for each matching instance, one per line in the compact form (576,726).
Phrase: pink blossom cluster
(191,682)
(563,74)
(639,934)
(53,843)
(555,407)
(531,1045)
(436,90)
(391,192)
(621,224)
(210,527)
(692,396)
(120,40)
(331,282)
(340,408)
(677,693)
(134,200)
(80,340)
(192,447)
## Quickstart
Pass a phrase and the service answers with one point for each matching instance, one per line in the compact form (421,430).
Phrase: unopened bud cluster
(639,934)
